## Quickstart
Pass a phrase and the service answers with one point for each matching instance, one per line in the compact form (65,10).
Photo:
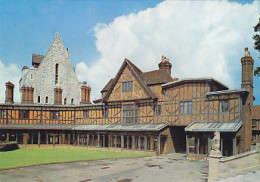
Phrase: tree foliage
(256,37)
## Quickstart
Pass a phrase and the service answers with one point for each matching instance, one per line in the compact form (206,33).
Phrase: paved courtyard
(171,167)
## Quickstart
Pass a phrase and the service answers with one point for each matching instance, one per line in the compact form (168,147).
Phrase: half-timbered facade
(144,111)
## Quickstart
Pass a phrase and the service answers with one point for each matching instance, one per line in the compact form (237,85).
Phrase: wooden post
(103,141)
(221,146)
(24,139)
(47,139)
(31,138)
(122,141)
(151,143)
(93,140)
(98,138)
(234,145)
(109,141)
(16,137)
(39,139)
(73,139)
(60,140)
(127,142)
(115,141)
(53,139)
(145,142)
(63,138)
(133,142)
(139,143)
(87,140)
(159,144)
(187,145)
(78,140)
(69,142)
(209,144)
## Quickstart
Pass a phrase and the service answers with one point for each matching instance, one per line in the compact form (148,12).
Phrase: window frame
(127,86)
(157,109)
(85,114)
(185,107)
(54,115)
(24,114)
(130,114)
(223,106)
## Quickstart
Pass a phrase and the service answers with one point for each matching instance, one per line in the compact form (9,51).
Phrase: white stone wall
(43,77)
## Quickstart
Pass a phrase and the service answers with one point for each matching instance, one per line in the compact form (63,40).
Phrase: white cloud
(9,73)
(201,39)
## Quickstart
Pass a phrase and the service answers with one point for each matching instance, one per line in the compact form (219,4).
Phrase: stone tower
(165,64)
(247,83)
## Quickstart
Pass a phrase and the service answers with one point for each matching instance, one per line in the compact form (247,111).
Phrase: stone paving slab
(171,167)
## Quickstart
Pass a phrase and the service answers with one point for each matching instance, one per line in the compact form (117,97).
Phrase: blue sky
(28,27)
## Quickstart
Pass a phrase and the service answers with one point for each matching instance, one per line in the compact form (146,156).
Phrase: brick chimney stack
(57,96)
(247,83)
(85,94)
(9,93)
(27,95)
(165,64)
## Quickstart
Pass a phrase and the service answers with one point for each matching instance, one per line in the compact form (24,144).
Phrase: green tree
(256,37)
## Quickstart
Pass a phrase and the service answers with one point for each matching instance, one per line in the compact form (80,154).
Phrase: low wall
(220,167)
(239,164)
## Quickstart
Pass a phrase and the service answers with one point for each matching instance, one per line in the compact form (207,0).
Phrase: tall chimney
(85,94)
(165,64)
(9,93)
(27,95)
(247,83)
(57,96)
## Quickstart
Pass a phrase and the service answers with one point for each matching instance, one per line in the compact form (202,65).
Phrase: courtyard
(168,167)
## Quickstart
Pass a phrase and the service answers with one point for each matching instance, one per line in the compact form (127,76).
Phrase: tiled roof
(157,77)
(146,78)
(256,112)
(230,126)
(108,85)
(37,58)
(196,80)
(91,127)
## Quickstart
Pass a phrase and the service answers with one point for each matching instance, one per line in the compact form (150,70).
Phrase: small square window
(223,106)
(55,115)
(86,113)
(127,86)
(23,114)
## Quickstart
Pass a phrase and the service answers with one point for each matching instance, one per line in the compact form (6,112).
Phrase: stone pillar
(197,143)
(9,93)
(93,140)
(122,141)
(214,165)
(39,139)
(63,138)
(25,139)
(133,142)
(209,144)
(145,142)
(187,145)
(53,139)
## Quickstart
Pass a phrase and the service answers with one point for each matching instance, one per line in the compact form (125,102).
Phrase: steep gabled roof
(108,85)
(139,77)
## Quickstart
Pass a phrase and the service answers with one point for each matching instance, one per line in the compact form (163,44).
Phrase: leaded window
(127,86)
(130,114)
(157,110)
(56,73)
(185,107)
(86,113)
(2,113)
(54,115)
(105,112)
(23,114)
(223,106)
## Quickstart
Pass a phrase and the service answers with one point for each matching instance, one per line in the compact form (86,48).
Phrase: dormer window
(56,73)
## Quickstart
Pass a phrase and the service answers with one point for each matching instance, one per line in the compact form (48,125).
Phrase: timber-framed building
(140,111)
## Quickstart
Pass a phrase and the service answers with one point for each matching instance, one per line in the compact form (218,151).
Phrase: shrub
(8,146)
